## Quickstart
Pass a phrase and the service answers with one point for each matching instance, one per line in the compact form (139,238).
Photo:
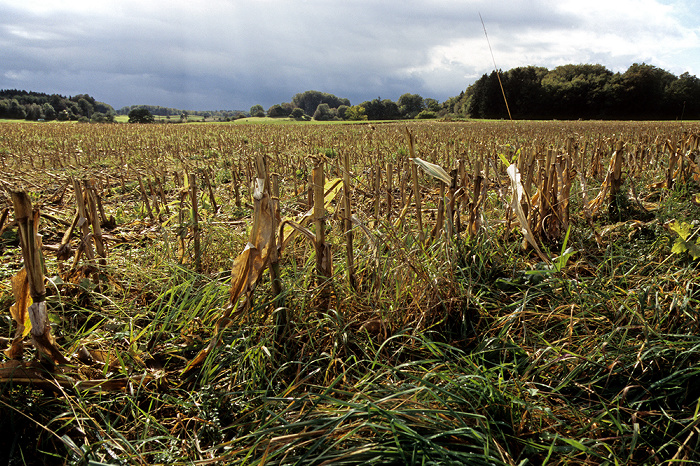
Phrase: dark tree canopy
(310,100)
(643,92)
(141,115)
(379,109)
(39,106)
(577,91)
(683,96)
(297,113)
(323,113)
(279,110)
(410,105)
(342,111)
(257,111)
(323,106)
(582,91)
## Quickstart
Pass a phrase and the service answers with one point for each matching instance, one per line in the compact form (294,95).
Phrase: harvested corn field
(444,292)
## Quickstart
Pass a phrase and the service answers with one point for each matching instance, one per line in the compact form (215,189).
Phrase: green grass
(478,360)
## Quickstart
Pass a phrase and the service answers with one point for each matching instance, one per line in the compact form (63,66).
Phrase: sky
(231,54)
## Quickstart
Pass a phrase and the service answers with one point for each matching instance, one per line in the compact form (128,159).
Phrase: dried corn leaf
(612,180)
(18,311)
(289,226)
(28,222)
(248,267)
(250,264)
(331,190)
(436,171)
(692,167)
(518,194)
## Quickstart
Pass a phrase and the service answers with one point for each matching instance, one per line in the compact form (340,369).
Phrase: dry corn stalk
(288,228)
(64,250)
(347,221)
(195,222)
(554,198)
(323,249)
(161,193)
(440,174)
(28,221)
(416,187)
(516,205)
(210,188)
(440,220)
(3,217)
(565,173)
(83,222)
(389,189)
(474,224)
(611,184)
(673,159)
(183,228)
(586,209)
(692,167)
(287,232)
(274,253)
(92,206)
(377,192)
(248,267)
(280,312)
(145,198)
(544,219)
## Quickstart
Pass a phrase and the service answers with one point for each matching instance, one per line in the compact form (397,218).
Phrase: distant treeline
(185,114)
(27,105)
(324,107)
(643,92)
(568,92)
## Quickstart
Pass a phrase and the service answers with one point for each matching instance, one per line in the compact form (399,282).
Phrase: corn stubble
(507,292)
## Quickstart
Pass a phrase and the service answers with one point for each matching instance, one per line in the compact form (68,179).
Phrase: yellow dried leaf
(331,189)
(18,311)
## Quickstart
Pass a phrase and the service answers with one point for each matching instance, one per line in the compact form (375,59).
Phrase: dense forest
(28,105)
(568,92)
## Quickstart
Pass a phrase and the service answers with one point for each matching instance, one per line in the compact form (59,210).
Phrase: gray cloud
(233,54)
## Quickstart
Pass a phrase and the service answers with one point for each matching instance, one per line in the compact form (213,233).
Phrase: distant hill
(28,105)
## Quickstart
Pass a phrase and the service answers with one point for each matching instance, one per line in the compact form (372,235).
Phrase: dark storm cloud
(233,54)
